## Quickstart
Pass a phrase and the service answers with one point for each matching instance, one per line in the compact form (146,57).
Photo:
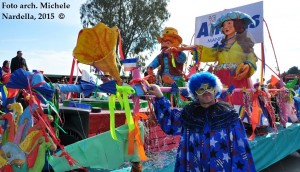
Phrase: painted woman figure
(235,55)
(212,136)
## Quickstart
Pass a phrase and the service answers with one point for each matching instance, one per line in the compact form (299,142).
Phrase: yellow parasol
(97,47)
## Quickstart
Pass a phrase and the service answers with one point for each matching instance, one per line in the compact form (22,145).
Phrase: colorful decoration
(129,64)
(226,95)
(125,91)
(97,47)
(171,58)
(28,134)
(88,88)
(140,85)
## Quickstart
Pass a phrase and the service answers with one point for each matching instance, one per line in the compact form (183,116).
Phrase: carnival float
(120,132)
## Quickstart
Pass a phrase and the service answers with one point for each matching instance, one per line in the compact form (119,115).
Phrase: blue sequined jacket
(212,139)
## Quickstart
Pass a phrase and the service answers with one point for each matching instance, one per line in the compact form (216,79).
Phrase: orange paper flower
(97,47)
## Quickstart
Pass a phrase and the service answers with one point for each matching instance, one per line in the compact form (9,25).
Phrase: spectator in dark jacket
(18,62)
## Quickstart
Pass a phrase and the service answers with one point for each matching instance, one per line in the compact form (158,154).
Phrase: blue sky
(48,44)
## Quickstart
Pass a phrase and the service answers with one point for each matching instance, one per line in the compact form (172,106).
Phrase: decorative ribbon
(44,124)
(255,116)
(246,100)
(120,46)
(125,90)
(120,99)
(70,160)
(173,60)
(268,105)
(111,105)
(227,94)
(139,81)
(50,106)
(142,82)
(197,52)
(136,135)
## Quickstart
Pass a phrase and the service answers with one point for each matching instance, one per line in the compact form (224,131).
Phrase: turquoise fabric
(100,152)
(269,149)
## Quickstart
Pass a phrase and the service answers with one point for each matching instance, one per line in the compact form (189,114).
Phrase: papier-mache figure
(170,60)
(235,57)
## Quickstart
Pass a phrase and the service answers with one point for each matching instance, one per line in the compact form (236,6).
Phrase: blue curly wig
(198,79)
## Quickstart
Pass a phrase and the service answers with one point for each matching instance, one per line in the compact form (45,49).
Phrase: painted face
(165,44)
(206,95)
(228,28)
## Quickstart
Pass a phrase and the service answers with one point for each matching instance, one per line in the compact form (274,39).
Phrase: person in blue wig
(212,135)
